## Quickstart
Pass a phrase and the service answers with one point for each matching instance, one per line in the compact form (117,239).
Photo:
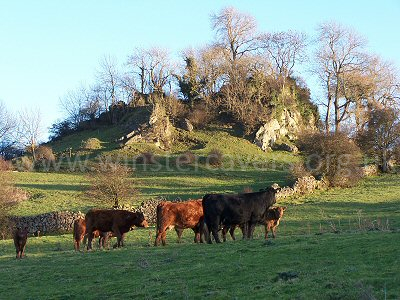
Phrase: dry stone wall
(54,222)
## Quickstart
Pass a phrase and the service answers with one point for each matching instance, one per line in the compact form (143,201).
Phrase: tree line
(246,75)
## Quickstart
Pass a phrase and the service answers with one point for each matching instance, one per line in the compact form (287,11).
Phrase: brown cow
(117,221)
(178,215)
(80,234)
(20,236)
(273,218)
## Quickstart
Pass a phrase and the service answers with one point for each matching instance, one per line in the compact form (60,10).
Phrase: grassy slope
(329,266)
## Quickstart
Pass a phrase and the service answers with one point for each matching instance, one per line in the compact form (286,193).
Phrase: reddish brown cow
(117,221)
(80,234)
(20,236)
(179,215)
(274,216)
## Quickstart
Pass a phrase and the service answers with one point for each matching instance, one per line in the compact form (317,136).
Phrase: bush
(24,163)
(215,157)
(200,117)
(333,156)
(91,144)
(186,158)
(146,158)
(45,153)
(110,183)
(5,165)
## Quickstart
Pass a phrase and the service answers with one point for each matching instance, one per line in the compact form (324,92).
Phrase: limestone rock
(285,126)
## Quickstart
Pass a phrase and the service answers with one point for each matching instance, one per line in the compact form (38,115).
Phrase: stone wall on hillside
(54,222)
(302,186)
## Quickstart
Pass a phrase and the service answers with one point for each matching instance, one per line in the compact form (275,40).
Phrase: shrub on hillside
(333,156)
(110,183)
(200,117)
(5,165)
(186,158)
(146,158)
(24,163)
(91,144)
(9,196)
(45,153)
(214,158)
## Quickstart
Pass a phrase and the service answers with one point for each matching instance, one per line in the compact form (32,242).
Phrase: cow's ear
(284,208)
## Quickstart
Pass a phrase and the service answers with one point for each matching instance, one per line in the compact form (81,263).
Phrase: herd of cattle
(206,217)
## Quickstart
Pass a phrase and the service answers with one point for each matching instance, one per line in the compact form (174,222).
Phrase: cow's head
(141,220)
(279,211)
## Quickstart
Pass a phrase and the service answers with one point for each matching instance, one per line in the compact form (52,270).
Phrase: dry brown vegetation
(111,183)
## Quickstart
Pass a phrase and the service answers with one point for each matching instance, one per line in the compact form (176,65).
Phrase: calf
(179,215)
(20,237)
(272,220)
(115,220)
(80,235)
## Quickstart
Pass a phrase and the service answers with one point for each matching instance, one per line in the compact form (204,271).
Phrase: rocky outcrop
(156,129)
(284,127)
(185,124)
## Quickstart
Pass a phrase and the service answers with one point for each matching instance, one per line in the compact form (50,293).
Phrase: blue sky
(50,47)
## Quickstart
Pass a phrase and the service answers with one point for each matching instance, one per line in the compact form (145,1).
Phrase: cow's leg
(245,230)
(89,236)
(266,230)
(158,238)
(197,235)
(252,226)
(273,231)
(123,236)
(214,230)
(179,233)
(118,234)
(224,231)
(232,232)
(164,238)
(23,251)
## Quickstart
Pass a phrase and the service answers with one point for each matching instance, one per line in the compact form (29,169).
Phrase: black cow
(248,210)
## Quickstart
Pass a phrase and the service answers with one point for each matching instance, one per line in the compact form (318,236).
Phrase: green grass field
(334,244)
(361,258)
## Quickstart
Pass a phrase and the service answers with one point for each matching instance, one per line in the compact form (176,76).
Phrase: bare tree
(111,182)
(30,128)
(152,68)
(340,53)
(285,49)
(139,61)
(236,32)
(8,129)
(108,85)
